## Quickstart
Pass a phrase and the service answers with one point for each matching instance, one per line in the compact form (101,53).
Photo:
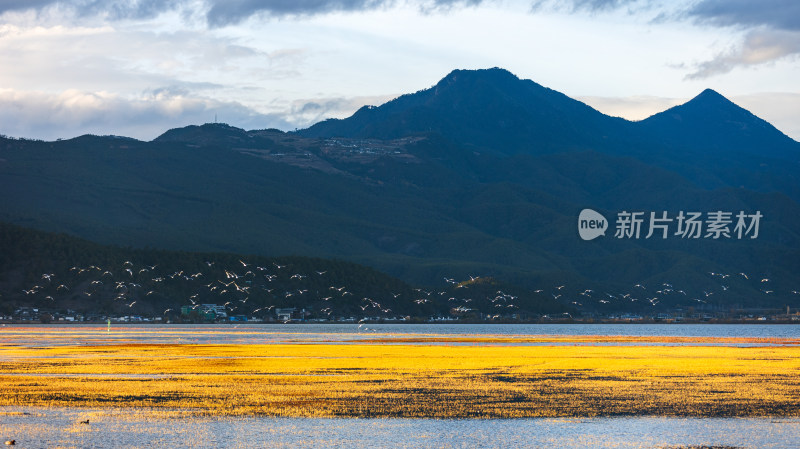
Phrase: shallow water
(109,428)
(59,427)
(69,334)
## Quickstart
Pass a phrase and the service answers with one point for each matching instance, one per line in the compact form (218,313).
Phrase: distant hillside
(482,175)
(709,140)
(58,273)
(494,109)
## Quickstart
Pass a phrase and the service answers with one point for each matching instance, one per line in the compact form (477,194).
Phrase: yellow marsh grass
(410,380)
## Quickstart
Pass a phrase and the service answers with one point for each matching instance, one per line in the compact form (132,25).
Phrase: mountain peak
(474,82)
(710,120)
(494,110)
(494,73)
(712,98)
(207,131)
(710,93)
(487,108)
(220,134)
(708,106)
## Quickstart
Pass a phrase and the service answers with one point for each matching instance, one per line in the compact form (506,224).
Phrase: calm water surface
(35,335)
(60,427)
(47,428)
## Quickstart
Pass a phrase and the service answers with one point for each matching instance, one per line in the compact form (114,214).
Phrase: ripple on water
(62,427)
(80,334)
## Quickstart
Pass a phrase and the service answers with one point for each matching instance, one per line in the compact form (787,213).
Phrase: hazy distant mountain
(708,140)
(712,123)
(490,109)
(482,174)
(494,109)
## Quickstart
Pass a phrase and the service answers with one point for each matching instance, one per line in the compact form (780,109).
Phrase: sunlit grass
(474,378)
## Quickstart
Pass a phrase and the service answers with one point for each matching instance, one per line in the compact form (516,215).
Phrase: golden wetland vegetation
(417,377)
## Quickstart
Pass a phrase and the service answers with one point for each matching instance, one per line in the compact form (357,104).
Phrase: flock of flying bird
(666,292)
(255,290)
(244,288)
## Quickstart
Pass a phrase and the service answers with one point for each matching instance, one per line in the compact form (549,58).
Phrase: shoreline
(576,322)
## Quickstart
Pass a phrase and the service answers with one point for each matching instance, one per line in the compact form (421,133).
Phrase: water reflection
(72,334)
(37,427)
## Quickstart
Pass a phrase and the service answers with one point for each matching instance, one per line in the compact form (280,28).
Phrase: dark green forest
(57,272)
(481,176)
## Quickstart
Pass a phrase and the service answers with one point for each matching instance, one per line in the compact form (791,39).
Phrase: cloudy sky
(140,67)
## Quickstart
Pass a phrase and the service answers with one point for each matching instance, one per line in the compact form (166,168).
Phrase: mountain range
(483,174)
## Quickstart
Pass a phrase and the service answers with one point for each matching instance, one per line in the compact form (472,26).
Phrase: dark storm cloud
(773,32)
(114,10)
(581,6)
(21,5)
(771,27)
(228,12)
(223,13)
(778,14)
(139,9)
(758,47)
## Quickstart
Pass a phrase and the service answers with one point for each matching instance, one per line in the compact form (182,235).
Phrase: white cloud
(305,112)
(758,47)
(72,113)
(311,60)
(134,68)
(95,58)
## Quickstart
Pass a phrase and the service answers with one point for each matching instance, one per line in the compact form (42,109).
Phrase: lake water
(109,428)
(47,428)
(36,335)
